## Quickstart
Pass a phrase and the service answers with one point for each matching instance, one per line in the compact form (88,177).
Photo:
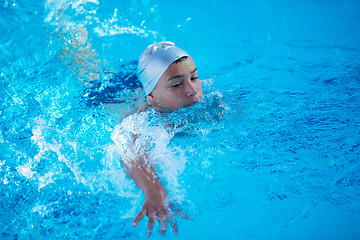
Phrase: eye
(194,78)
(178,85)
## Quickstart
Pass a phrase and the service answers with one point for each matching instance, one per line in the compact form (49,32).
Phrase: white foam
(146,134)
(25,171)
(118,25)
(1,163)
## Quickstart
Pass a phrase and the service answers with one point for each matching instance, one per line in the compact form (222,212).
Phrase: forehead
(183,67)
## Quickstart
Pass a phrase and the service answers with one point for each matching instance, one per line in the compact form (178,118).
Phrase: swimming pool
(281,163)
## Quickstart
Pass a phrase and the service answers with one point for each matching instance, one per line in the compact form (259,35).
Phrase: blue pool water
(278,159)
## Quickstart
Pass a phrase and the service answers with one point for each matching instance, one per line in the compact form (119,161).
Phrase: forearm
(155,206)
(146,179)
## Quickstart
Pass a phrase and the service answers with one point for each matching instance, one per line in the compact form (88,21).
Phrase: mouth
(191,104)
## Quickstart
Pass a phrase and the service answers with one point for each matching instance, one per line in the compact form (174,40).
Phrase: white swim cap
(155,60)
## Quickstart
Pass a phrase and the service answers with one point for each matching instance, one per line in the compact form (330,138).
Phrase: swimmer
(170,81)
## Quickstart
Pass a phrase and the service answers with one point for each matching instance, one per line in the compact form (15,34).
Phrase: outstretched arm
(139,165)
(76,50)
(79,55)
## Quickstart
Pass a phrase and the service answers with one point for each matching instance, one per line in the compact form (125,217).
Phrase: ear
(150,98)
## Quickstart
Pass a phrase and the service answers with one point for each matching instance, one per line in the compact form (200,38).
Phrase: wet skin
(179,87)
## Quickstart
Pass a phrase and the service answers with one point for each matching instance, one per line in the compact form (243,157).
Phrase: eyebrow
(179,76)
(174,77)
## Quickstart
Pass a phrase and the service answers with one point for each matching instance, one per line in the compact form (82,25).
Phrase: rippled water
(281,163)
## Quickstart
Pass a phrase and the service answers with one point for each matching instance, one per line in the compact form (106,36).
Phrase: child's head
(169,77)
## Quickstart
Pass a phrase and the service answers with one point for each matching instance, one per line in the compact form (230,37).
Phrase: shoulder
(128,131)
(143,123)
(132,123)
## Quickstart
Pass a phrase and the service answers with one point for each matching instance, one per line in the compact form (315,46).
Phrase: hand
(156,207)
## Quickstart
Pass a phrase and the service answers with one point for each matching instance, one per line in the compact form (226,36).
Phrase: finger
(150,226)
(181,214)
(174,228)
(163,224)
(140,216)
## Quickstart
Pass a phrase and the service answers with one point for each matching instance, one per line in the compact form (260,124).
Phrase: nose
(190,90)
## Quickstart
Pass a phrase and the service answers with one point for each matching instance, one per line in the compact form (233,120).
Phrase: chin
(168,110)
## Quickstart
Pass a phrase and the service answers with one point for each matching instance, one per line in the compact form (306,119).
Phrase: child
(169,77)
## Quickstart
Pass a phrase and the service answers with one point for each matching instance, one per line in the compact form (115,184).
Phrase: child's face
(179,87)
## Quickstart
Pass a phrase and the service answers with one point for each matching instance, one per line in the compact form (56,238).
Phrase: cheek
(176,101)
(199,88)
(170,97)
